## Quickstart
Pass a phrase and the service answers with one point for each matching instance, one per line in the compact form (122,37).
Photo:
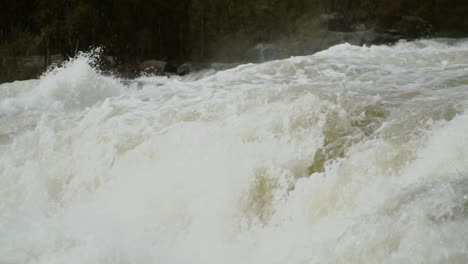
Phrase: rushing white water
(351,155)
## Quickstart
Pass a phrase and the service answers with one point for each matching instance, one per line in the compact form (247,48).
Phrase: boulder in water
(153,66)
(184,69)
(219,66)
(412,27)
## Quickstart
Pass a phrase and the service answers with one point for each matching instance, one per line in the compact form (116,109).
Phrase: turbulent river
(350,155)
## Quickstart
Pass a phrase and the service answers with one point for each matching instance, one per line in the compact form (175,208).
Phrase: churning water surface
(350,155)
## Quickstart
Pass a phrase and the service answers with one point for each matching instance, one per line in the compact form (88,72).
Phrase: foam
(218,168)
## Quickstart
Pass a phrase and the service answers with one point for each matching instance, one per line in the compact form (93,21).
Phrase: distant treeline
(182,30)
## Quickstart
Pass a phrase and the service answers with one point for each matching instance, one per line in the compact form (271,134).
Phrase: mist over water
(350,155)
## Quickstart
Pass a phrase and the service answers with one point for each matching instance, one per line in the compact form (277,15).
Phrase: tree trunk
(76,47)
(47,54)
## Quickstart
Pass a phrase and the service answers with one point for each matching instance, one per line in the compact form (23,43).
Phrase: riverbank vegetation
(199,30)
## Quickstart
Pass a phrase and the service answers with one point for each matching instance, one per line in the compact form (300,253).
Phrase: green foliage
(136,30)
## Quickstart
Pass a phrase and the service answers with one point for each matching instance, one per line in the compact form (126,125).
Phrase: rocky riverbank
(313,35)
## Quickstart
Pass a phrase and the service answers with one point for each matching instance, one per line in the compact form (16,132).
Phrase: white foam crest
(74,85)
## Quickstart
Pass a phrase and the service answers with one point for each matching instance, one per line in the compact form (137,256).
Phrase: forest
(197,30)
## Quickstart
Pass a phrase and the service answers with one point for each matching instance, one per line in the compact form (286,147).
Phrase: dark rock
(171,67)
(184,69)
(385,39)
(192,67)
(218,66)
(411,27)
(360,38)
(337,23)
(153,66)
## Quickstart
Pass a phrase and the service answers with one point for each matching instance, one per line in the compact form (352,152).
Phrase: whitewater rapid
(350,155)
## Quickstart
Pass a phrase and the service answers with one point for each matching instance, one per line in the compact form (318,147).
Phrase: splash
(350,155)
(76,84)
